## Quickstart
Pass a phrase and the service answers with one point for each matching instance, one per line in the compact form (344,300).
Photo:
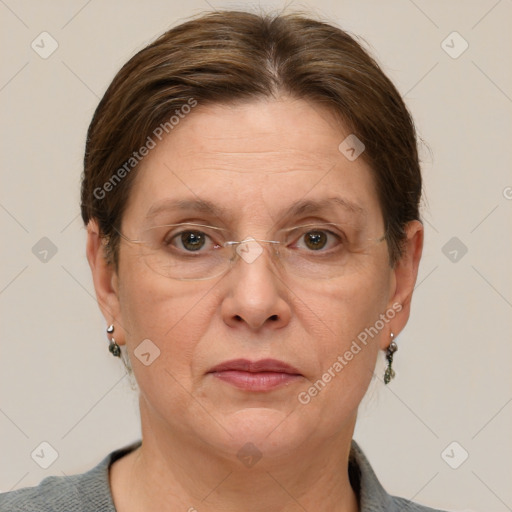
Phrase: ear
(404,277)
(105,280)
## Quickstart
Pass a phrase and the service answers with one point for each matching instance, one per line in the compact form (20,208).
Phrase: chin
(263,430)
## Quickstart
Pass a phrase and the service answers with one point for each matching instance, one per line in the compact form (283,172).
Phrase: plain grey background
(452,395)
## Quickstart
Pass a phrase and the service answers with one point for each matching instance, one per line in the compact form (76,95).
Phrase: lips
(262,375)
(263,365)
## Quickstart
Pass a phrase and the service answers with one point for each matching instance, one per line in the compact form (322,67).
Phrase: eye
(190,241)
(317,240)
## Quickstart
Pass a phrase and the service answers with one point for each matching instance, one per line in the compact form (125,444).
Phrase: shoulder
(86,492)
(372,496)
(403,505)
(54,493)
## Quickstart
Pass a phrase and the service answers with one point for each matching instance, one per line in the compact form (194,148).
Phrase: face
(254,162)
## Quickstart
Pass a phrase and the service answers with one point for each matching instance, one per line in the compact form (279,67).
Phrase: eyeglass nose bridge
(250,252)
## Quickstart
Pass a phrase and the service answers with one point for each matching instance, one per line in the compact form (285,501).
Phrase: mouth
(262,375)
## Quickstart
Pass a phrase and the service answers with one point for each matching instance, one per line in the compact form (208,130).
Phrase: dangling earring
(114,348)
(392,348)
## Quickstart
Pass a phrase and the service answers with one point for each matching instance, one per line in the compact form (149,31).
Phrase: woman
(251,188)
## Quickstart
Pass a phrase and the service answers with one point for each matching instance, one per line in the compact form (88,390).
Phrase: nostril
(274,318)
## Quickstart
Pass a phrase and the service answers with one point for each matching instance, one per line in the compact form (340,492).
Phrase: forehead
(256,159)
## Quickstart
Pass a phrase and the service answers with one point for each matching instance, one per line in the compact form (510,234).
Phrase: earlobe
(405,274)
(104,277)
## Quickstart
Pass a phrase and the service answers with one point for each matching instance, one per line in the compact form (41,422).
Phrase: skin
(255,159)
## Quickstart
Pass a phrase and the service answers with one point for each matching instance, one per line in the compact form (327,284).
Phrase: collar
(371,495)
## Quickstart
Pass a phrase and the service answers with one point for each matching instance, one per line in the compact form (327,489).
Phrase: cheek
(169,313)
(347,306)
(347,342)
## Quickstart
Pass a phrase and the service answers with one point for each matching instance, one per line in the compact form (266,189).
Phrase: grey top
(90,491)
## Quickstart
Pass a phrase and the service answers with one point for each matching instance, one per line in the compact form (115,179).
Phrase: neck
(177,472)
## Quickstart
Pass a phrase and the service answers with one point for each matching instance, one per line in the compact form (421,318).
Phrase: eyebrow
(197,205)
(301,207)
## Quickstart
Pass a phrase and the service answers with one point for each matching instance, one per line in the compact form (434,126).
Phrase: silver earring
(392,348)
(114,348)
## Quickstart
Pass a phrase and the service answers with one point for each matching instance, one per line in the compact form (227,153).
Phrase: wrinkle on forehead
(285,160)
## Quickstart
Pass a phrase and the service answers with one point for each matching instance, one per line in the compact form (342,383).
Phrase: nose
(255,296)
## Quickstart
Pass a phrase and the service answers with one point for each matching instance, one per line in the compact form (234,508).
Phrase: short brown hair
(226,56)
